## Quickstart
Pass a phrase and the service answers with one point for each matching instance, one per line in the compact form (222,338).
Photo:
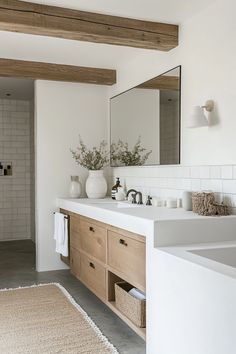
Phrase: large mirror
(145,122)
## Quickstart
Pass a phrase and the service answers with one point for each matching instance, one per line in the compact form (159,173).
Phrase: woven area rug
(44,319)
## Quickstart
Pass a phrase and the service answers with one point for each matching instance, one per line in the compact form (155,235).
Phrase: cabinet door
(127,256)
(75,262)
(93,240)
(93,275)
(74,232)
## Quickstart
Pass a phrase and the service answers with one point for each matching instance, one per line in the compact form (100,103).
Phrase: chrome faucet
(134,196)
(149,200)
(130,191)
(140,199)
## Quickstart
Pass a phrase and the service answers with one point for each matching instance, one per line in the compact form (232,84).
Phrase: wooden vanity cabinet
(74,231)
(101,254)
(75,262)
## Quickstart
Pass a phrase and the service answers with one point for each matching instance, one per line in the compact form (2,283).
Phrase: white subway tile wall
(15,190)
(171,181)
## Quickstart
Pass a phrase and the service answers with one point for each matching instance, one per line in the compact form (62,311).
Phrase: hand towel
(138,294)
(61,234)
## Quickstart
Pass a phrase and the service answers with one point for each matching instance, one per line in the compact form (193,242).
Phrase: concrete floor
(17,260)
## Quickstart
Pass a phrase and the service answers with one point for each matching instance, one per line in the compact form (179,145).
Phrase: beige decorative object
(131,307)
(45,319)
(204,204)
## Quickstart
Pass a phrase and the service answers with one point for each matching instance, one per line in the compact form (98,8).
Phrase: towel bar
(65,216)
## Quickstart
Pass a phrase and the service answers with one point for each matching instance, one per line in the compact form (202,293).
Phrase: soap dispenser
(115,188)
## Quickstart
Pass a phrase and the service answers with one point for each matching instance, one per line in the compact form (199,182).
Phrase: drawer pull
(91,229)
(92,265)
(122,242)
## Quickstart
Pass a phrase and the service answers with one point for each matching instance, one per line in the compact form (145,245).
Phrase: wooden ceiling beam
(56,72)
(163,82)
(44,20)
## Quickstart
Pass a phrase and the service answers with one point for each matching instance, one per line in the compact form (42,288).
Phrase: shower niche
(5,168)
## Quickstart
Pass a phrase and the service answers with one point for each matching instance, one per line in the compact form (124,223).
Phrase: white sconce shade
(198,117)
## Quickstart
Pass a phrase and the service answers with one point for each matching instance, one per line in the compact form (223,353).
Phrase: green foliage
(94,159)
(122,156)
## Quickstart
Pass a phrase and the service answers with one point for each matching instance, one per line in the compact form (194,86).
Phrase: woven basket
(131,307)
(204,204)
(202,201)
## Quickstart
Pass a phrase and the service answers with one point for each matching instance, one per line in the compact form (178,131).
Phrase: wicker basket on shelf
(131,307)
(204,204)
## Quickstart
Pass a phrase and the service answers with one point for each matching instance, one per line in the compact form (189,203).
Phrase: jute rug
(44,319)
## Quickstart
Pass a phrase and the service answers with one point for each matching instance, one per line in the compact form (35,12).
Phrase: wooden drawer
(127,255)
(75,262)
(93,240)
(93,275)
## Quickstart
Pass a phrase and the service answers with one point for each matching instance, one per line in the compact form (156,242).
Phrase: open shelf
(112,279)
(140,331)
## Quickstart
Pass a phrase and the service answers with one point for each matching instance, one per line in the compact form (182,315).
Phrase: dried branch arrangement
(122,155)
(92,159)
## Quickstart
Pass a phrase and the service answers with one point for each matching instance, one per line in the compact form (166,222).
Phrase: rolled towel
(138,294)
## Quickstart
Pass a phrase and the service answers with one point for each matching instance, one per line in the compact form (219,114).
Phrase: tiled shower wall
(169,130)
(16,190)
(171,181)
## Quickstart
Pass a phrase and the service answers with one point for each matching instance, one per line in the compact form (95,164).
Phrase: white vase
(75,187)
(96,185)
(187,200)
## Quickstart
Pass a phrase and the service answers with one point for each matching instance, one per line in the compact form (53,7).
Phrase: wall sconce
(198,117)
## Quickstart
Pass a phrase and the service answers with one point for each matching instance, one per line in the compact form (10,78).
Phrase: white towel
(138,294)
(61,234)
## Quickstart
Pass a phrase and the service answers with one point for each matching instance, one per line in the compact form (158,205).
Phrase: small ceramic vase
(75,187)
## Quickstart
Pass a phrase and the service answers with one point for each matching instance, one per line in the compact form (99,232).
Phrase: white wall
(63,111)
(207,53)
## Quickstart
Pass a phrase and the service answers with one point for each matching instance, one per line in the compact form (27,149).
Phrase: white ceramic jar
(96,185)
(171,203)
(75,187)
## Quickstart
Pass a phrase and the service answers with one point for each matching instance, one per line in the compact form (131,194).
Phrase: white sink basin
(114,205)
(128,205)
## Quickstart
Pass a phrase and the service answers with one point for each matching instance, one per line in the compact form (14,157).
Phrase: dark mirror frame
(141,84)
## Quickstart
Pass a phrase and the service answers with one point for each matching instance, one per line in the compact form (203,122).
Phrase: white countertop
(138,219)
(149,213)
(216,256)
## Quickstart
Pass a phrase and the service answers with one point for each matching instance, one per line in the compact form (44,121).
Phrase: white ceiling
(174,11)
(18,89)
(62,51)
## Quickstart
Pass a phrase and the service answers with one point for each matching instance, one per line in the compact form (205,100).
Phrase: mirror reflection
(145,123)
